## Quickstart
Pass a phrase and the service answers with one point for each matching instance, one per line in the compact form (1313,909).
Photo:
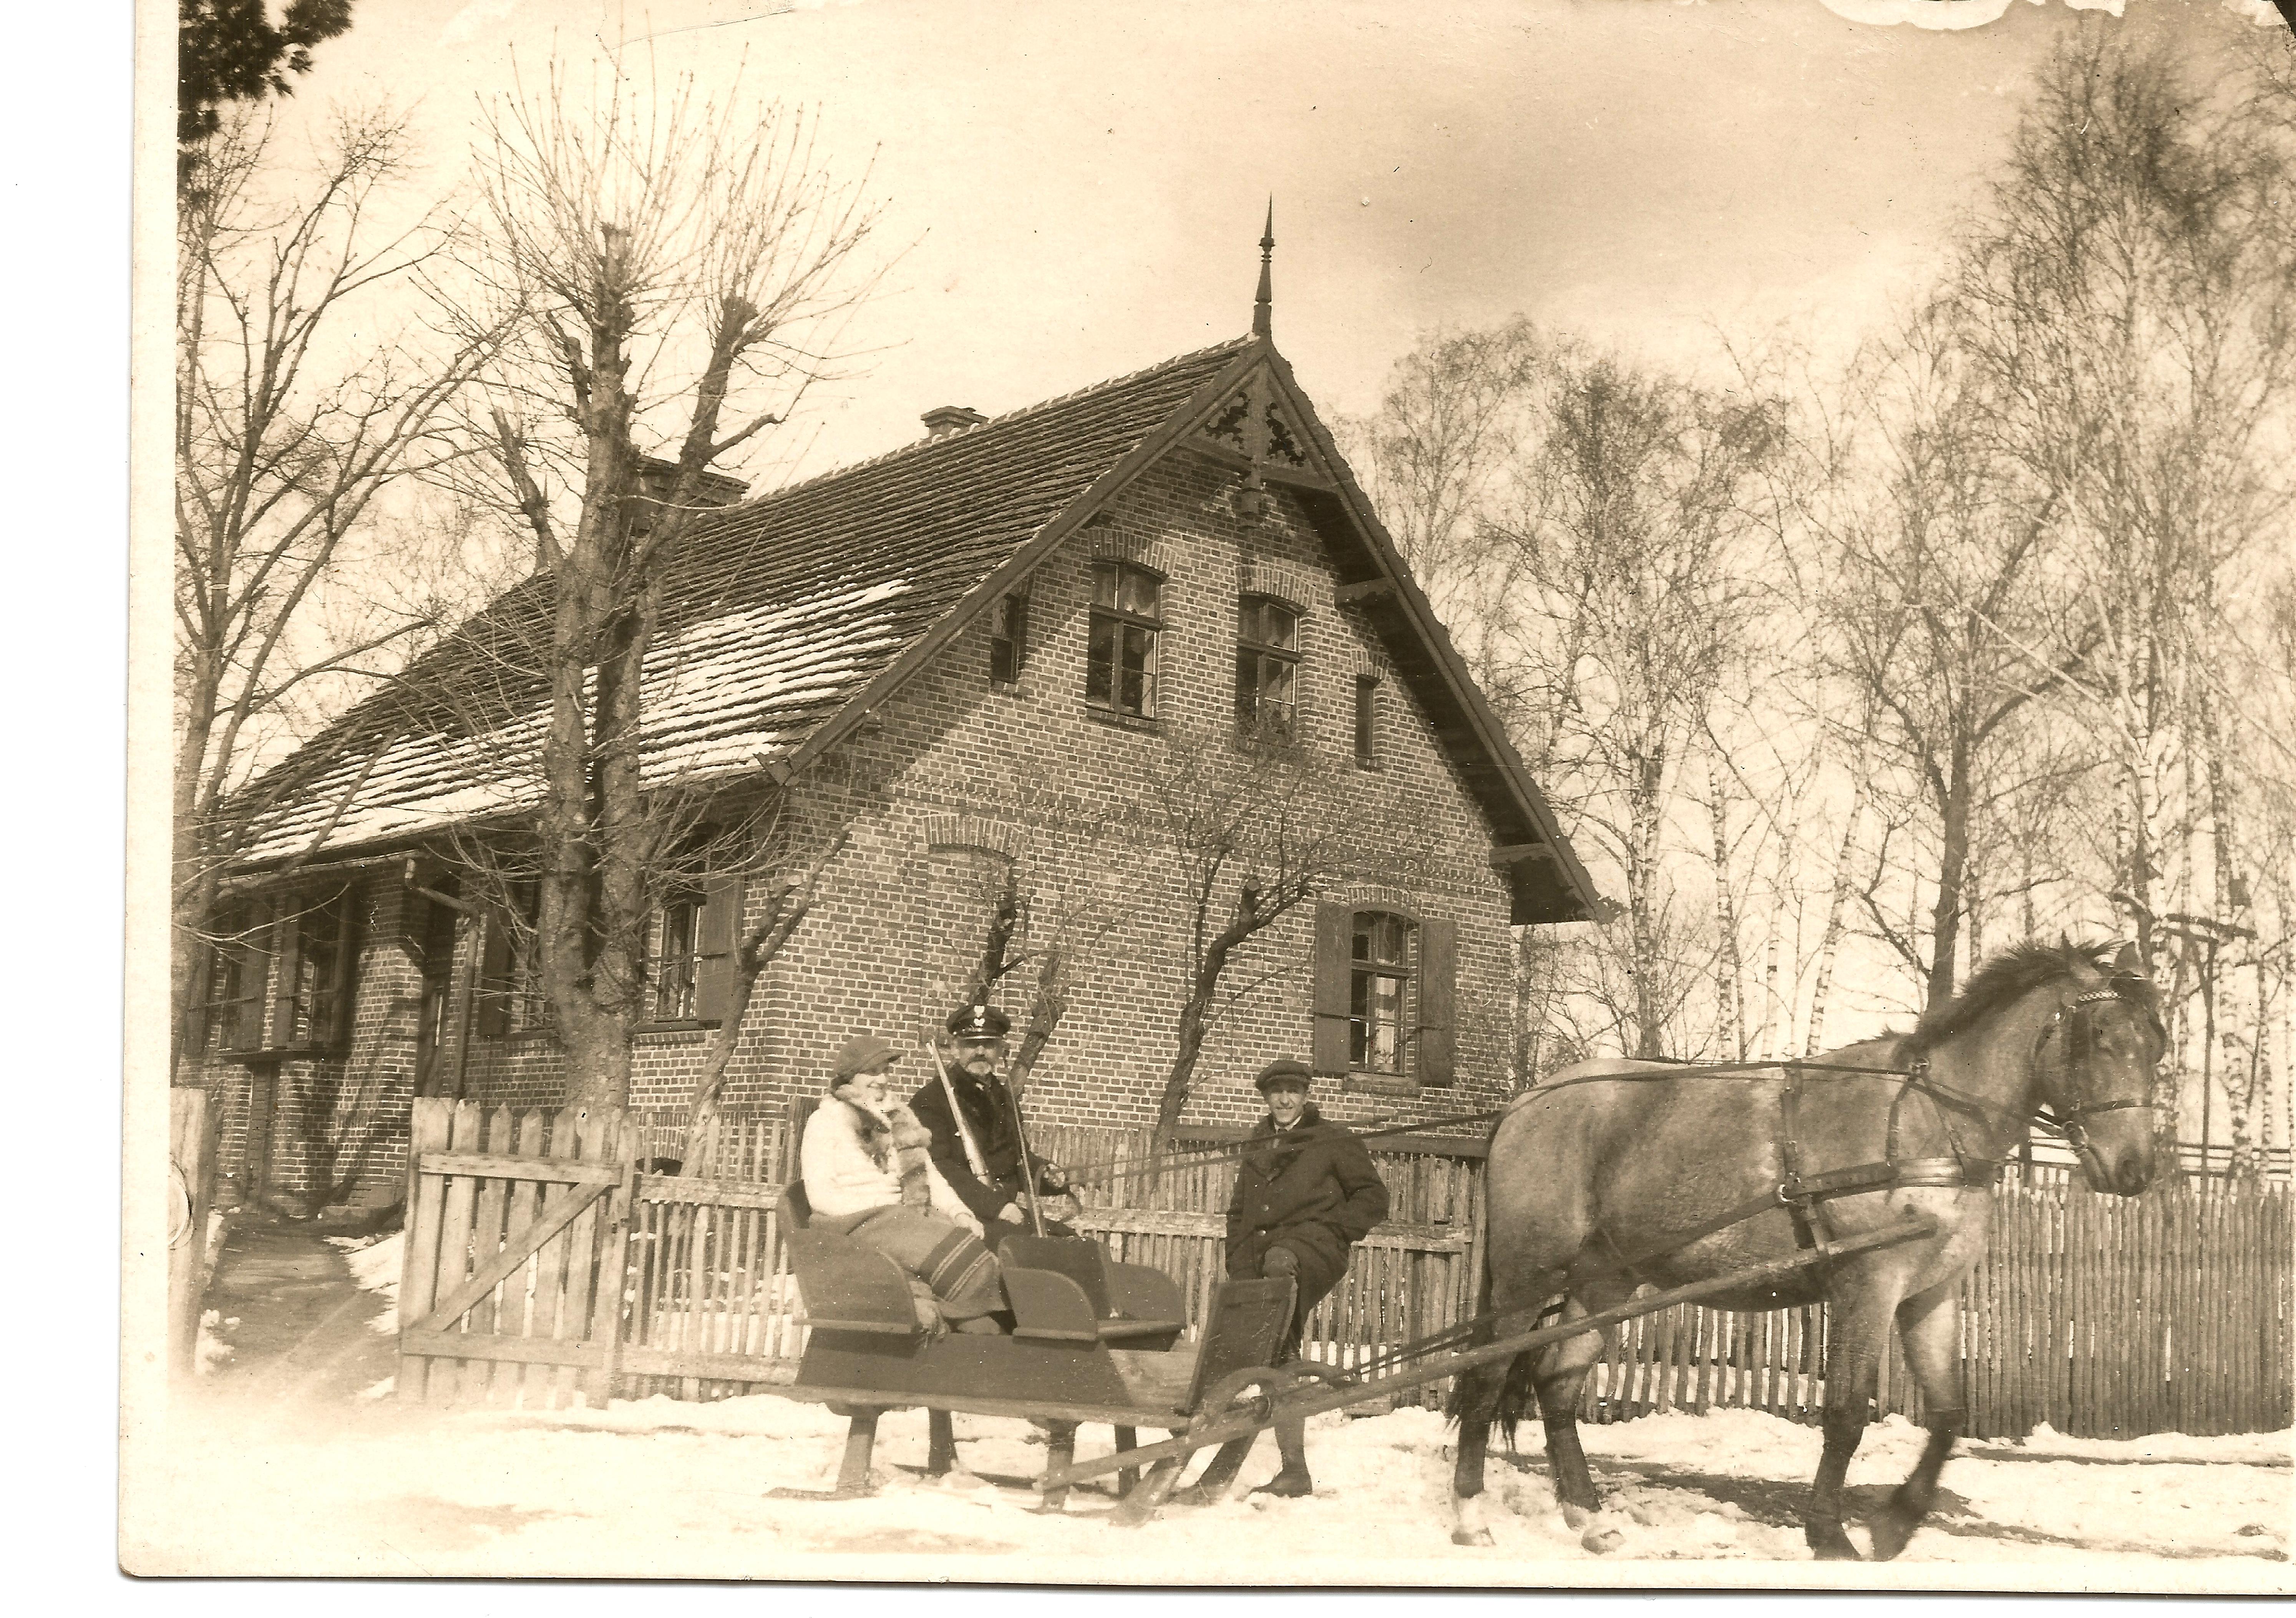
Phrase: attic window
(1127,618)
(1267,667)
(1008,637)
(1367,721)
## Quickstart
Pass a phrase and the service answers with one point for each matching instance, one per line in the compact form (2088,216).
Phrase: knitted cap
(861,1051)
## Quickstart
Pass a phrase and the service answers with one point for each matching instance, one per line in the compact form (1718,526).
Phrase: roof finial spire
(1262,306)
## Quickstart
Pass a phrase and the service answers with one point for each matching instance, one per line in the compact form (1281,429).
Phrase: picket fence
(2103,1317)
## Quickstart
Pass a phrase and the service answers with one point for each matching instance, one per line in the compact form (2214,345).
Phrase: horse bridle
(2073,1017)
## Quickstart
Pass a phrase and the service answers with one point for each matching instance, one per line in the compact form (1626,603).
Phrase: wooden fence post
(613,1263)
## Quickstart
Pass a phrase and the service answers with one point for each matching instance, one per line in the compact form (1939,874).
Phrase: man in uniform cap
(1305,1194)
(976,1135)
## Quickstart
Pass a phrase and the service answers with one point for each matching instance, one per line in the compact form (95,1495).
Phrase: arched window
(1385,988)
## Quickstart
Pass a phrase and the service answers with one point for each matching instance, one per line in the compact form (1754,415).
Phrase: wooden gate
(516,1248)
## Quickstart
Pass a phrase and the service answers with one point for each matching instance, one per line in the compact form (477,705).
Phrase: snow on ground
(214,1354)
(657,1487)
(375,1263)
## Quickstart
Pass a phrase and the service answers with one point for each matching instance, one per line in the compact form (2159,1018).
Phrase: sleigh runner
(1096,1341)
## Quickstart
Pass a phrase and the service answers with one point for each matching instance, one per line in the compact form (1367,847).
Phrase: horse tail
(1518,1394)
(1518,1397)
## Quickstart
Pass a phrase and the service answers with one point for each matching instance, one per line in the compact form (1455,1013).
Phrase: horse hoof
(1602,1541)
(1892,1532)
(1828,1543)
(1473,1536)
(1576,1518)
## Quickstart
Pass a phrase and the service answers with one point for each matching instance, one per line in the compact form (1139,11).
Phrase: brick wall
(950,770)
(324,1132)
(900,921)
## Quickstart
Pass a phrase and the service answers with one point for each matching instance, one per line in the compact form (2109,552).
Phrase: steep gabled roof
(778,614)
(787,619)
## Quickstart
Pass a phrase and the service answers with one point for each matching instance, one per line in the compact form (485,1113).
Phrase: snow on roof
(776,614)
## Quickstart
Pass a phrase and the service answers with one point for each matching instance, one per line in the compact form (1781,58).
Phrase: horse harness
(1804,1195)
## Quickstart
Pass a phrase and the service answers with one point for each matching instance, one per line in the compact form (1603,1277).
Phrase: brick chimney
(947,419)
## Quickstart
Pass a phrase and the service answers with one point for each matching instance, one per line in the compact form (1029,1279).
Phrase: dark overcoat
(988,1114)
(1310,1188)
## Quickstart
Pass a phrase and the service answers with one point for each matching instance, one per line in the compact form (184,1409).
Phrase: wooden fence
(2100,1316)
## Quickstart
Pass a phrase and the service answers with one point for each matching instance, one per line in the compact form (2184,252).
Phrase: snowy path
(662,1488)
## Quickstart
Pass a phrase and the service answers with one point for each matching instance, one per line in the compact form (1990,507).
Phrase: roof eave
(1490,733)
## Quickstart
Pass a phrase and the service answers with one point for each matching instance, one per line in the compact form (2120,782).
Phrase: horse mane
(2004,976)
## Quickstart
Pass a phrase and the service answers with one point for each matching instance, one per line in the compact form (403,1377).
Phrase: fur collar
(894,1141)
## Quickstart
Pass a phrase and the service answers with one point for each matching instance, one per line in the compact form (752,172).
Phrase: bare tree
(1251,829)
(791,883)
(299,403)
(676,262)
(1938,590)
(1633,534)
(1043,939)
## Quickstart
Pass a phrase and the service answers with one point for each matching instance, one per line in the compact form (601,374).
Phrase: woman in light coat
(869,1175)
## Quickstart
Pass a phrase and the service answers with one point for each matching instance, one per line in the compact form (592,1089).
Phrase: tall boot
(1218,1476)
(1291,1445)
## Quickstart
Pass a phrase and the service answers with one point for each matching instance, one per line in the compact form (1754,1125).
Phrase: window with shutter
(251,981)
(719,924)
(1384,995)
(1328,1039)
(1438,970)
(498,966)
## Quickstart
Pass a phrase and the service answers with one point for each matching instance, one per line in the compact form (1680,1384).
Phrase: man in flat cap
(976,1131)
(1305,1194)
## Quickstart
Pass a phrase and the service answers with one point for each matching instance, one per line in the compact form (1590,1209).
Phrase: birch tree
(1632,534)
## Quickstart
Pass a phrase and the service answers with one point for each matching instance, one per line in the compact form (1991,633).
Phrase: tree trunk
(1829,942)
(1641,888)
(1047,1007)
(1952,867)
(1195,1014)
(1731,990)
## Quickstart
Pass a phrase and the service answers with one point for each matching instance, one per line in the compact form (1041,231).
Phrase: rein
(1802,1195)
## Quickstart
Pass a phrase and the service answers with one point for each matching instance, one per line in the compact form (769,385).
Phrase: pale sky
(1083,185)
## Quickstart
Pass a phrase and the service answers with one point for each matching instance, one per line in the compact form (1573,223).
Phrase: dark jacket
(1311,1188)
(988,1114)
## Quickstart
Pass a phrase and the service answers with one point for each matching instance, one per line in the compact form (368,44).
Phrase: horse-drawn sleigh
(1859,1177)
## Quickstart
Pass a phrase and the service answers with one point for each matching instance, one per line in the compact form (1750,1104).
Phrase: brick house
(968,653)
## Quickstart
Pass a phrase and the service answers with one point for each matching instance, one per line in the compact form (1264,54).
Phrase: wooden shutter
(344,989)
(491,1015)
(1438,972)
(713,946)
(286,967)
(1334,939)
(244,1030)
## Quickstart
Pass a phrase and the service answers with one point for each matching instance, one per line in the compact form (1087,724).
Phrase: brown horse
(1614,1174)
